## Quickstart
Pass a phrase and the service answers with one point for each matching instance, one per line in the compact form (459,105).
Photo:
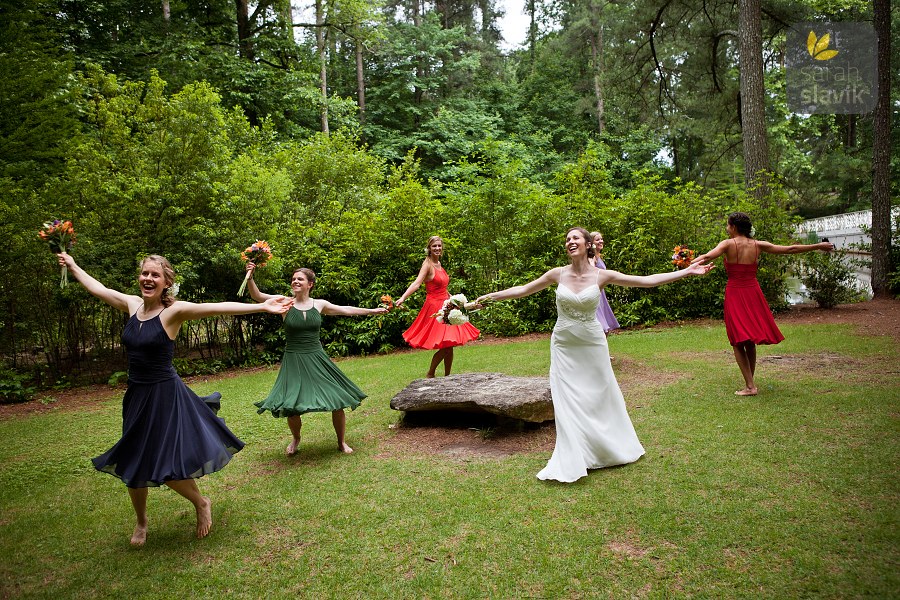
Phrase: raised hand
(66,260)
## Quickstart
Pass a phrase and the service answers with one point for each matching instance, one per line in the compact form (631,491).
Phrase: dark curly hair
(741,222)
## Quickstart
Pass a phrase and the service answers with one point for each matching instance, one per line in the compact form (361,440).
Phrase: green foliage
(14,387)
(828,278)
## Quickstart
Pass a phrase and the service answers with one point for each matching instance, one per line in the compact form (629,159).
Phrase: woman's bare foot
(292,447)
(204,518)
(747,392)
(139,536)
(343,447)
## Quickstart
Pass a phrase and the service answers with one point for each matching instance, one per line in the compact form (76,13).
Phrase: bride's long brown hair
(588,240)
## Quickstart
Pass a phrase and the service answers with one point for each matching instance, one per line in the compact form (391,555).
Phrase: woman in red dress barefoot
(425,331)
(748,319)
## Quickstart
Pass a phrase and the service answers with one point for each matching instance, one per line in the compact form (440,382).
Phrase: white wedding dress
(593,429)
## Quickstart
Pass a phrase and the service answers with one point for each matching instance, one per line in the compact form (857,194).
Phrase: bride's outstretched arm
(615,278)
(520,291)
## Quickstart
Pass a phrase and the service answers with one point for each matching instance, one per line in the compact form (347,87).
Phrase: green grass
(793,493)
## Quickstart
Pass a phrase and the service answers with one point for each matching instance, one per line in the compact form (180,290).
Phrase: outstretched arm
(646,281)
(186,311)
(255,293)
(712,255)
(795,248)
(327,308)
(420,279)
(124,302)
(520,291)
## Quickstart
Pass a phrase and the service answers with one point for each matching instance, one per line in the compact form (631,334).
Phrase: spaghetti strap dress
(593,429)
(425,331)
(308,381)
(604,311)
(748,317)
(168,432)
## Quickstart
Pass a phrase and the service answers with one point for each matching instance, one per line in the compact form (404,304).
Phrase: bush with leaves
(828,278)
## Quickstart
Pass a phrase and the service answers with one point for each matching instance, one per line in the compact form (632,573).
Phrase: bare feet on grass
(747,392)
(342,447)
(292,447)
(139,536)
(204,518)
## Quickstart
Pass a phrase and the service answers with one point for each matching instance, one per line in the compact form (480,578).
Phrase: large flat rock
(524,398)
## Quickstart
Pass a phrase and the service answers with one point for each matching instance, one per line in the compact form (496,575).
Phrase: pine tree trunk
(360,83)
(418,93)
(881,184)
(323,66)
(596,37)
(245,41)
(753,99)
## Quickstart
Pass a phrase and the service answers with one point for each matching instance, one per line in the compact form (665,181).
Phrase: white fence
(845,231)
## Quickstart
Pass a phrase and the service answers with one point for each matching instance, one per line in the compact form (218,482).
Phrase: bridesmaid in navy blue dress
(170,436)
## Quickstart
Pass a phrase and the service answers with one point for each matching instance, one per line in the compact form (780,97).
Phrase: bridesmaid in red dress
(748,319)
(425,332)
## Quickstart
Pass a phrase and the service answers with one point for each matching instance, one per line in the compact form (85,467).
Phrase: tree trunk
(360,83)
(753,99)
(532,29)
(287,16)
(245,42)
(596,37)
(418,93)
(167,12)
(323,66)
(881,183)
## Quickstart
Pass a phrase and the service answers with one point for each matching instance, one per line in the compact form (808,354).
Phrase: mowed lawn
(793,493)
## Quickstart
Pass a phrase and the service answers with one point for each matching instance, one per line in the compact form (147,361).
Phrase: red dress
(747,314)
(425,331)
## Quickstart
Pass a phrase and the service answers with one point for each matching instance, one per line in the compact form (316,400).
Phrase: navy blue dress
(168,432)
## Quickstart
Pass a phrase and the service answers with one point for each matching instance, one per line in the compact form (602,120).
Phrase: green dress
(308,381)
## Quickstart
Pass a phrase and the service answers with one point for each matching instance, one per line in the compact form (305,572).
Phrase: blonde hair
(432,240)
(168,297)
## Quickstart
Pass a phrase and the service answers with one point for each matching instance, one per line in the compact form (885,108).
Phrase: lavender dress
(604,312)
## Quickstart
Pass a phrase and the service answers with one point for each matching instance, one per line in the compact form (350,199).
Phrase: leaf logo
(818,48)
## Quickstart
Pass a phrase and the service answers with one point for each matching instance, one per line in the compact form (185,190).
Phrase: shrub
(14,388)
(828,279)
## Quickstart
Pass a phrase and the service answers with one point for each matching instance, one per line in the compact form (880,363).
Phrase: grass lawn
(793,493)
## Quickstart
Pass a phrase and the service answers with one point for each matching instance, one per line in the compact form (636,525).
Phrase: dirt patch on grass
(875,318)
(469,437)
(465,443)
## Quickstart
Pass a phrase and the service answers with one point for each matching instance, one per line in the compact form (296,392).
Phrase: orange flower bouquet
(60,236)
(682,256)
(387,302)
(259,254)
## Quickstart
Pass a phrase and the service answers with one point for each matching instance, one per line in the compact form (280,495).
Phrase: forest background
(347,132)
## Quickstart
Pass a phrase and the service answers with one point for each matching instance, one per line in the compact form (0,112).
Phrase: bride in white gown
(593,429)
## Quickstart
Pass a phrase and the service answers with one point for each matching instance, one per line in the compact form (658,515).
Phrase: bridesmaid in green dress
(308,381)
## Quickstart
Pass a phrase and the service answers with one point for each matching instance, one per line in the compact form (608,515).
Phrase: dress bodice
(577,307)
(438,285)
(301,330)
(741,275)
(149,351)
